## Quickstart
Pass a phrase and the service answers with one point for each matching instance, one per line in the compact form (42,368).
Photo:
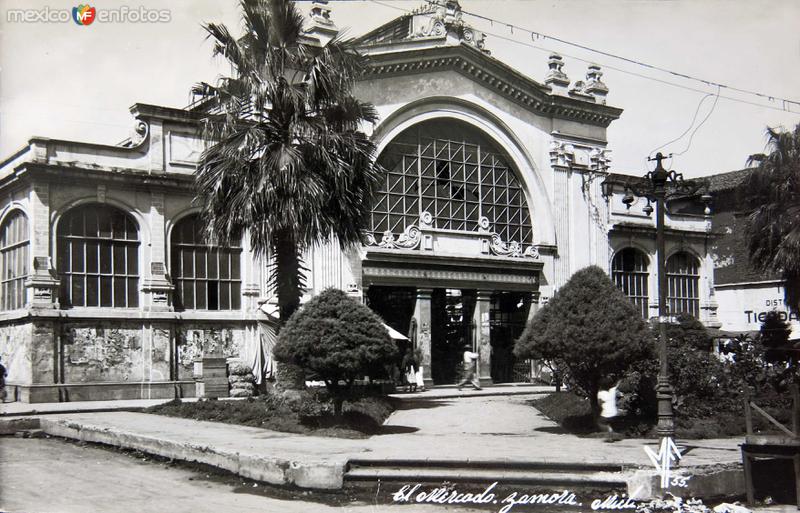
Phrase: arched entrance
(452,219)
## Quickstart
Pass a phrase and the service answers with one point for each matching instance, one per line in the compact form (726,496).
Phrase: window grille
(683,278)
(206,276)
(450,170)
(629,272)
(14,255)
(98,258)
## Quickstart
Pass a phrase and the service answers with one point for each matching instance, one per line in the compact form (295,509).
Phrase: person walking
(470,376)
(608,409)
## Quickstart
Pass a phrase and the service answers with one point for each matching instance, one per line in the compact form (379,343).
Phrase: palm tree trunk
(288,283)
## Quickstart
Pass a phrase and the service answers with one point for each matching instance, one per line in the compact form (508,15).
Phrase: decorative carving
(483,223)
(140,131)
(409,239)
(594,84)
(601,160)
(426,219)
(437,21)
(562,154)
(511,249)
(555,76)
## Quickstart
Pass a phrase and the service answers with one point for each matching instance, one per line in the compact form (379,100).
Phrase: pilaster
(156,286)
(42,284)
(483,335)
(422,313)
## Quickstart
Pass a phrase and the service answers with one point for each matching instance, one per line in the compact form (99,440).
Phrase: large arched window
(455,173)
(630,274)
(206,276)
(14,253)
(98,257)
(683,277)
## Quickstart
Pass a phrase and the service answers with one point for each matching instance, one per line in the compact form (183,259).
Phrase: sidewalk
(502,429)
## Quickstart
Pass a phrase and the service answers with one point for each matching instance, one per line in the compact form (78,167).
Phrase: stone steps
(532,475)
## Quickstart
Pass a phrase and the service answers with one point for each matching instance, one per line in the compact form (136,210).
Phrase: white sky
(65,81)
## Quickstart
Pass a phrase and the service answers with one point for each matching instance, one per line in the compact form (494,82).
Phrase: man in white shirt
(470,376)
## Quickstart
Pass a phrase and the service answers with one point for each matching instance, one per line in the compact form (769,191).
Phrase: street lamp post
(658,186)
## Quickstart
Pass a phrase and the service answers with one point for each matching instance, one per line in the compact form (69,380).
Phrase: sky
(66,81)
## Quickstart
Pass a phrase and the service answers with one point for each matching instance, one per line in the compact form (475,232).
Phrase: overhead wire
(537,35)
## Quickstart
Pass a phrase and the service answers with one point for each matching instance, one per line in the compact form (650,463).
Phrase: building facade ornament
(511,249)
(409,239)
(440,21)
(555,77)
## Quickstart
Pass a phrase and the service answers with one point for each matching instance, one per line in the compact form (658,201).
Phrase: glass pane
(224,269)
(104,225)
(235,261)
(120,294)
(77,257)
(200,263)
(91,257)
(225,296)
(90,217)
(187,270)
(77,291)
(105,257)
(133,259)
(213,263)
(133,292)
(106,298)
(236,296)
(188,295)
(200,300)
(119,259)
(92,291)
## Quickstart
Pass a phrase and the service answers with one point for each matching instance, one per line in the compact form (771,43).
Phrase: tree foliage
(773,193)
(286,161)
(590,329)
(339,339)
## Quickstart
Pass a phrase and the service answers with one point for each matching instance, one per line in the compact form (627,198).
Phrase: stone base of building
(68,392)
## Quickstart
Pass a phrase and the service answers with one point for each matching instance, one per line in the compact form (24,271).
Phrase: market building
(492,200)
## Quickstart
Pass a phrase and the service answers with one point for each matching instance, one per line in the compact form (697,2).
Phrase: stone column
(483,336)
(42,282)
(156,286)
(422,313)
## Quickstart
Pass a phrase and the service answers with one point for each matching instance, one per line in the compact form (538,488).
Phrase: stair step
(505,476)
(501,466)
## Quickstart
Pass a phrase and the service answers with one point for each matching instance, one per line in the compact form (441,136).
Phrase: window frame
(637,279)
(100,255)
(13,293)
(204,250)
(683,286)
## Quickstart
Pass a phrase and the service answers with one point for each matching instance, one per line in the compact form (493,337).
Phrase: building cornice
(493,74)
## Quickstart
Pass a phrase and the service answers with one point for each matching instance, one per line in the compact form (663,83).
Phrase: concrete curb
(324,475)
(30,413)
(413,396)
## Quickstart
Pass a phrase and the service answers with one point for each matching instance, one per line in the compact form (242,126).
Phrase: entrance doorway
(508,316)
(451,328)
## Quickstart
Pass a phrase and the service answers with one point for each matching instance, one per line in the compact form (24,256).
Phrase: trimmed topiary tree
(591,330)
(339,339)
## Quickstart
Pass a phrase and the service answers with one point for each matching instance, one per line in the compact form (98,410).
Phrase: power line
(536,34)
(786,102)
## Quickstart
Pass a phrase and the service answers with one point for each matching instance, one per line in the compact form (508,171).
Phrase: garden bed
(308,414)
(574,415)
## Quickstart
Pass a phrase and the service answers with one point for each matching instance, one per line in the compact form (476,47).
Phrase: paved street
(47,475)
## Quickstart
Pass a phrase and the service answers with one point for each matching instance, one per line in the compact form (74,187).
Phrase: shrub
(591,330)
(339,339)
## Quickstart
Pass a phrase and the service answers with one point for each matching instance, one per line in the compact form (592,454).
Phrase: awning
(396,335)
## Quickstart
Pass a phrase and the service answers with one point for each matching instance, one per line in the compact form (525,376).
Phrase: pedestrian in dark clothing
(3,376)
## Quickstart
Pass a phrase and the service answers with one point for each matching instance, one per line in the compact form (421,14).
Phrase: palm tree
(773,191)
(286,162)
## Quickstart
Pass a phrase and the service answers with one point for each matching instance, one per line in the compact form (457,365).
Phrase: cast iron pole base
(666,419)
